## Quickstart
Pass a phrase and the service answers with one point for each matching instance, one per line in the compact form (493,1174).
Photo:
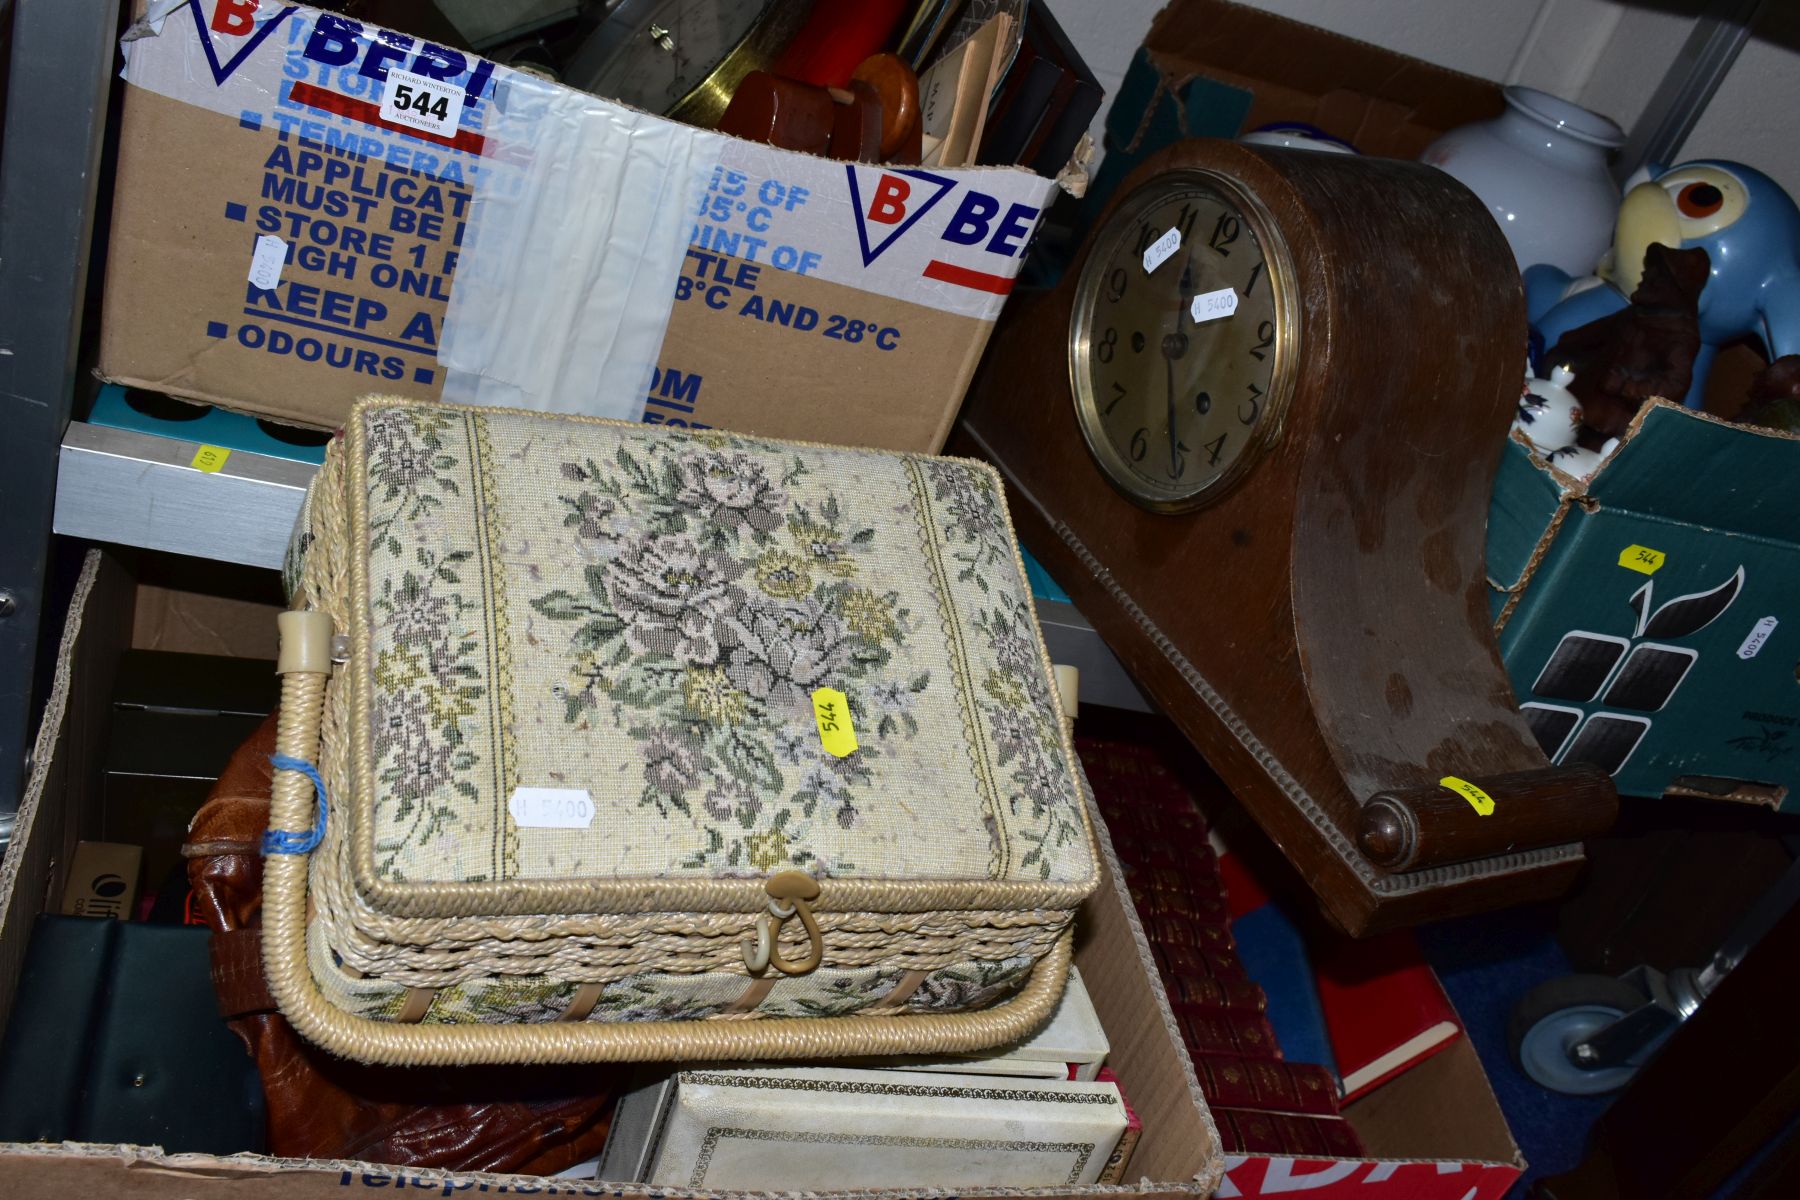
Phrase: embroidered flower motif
(1014,652)
(1004,687)
(783,575)
(823,547)
(729,490)
(670,594)
(589,514)
(892,696)
(781,654)
(869,615)
(728,799)
(823,779)
(969,497)
(968,985)
(1015,732)
(671,763)
(709,695)
(767,849)
(793,746)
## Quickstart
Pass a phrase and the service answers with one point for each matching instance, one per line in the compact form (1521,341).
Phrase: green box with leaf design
(1647,615)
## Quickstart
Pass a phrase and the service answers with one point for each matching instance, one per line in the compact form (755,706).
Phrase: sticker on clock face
(1210,306)
(1161,249)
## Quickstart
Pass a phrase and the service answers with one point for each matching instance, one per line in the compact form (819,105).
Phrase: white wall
(1752,118)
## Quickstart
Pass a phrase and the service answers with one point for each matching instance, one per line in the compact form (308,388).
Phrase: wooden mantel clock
(1253,432)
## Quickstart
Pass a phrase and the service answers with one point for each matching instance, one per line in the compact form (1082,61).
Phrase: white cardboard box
(544,249)
(811,1128)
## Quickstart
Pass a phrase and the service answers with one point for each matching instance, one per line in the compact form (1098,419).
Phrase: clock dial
(1181,340)
(682,58)
(678,43)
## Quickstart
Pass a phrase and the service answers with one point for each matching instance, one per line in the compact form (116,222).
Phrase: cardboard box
(103,880)
(1436,1127)
(1210,68)
(533,246)
(1647,614)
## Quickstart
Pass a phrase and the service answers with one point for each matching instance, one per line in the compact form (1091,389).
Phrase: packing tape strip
(569,264)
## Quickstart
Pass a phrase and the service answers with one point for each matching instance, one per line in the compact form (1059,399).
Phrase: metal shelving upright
(60,78)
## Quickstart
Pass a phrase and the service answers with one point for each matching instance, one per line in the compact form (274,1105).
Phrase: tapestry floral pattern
(427,669)
(1015,695)
(716,602)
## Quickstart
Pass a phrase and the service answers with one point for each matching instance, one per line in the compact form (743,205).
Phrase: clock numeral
(1265,331)
(1224,233)
(1217,447)
(1178,461)
(1115,285)
(1254,272)
(1118,395)
(1109,344)
(1140,445)
(1184,221)
(1146,235)
(1256,395)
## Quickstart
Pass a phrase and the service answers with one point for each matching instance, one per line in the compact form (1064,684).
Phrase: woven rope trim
(525,897)
(582,961)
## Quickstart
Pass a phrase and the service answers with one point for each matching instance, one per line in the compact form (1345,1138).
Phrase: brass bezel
(1280,271)
(775,27)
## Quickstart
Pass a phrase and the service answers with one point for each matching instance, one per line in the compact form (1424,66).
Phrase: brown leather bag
(530,1120)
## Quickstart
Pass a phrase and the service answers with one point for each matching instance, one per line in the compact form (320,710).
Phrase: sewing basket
(605,741)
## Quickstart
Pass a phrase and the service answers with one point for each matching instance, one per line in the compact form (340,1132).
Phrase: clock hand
(1169,362)
(1174,345)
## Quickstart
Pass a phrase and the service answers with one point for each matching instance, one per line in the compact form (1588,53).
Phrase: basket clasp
(790,895)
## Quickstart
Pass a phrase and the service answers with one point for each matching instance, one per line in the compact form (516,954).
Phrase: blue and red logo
(898,200)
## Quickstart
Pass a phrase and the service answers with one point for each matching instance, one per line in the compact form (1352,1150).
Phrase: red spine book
(1384,1008)
(1254,1132)
(1189,932)
(1185,960)
(1222,1031)
(1240,1082)
(1207,991)
(1185,906)
(1246,1131)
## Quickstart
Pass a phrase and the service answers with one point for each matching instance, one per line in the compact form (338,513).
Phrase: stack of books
(1263,1103)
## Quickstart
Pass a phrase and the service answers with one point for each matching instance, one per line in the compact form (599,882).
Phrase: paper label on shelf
(266,262)
(208,459)
(421,102)
(831,709)
(1210,306)
(551,808)
(1480,801)
(1757,638)
(1641,559)
(1161,249)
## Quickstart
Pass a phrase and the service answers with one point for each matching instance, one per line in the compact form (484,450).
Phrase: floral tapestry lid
(612,667)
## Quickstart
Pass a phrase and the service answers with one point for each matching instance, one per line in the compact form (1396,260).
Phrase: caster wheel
(1551,1019)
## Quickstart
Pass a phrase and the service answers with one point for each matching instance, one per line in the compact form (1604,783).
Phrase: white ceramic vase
(1540,167)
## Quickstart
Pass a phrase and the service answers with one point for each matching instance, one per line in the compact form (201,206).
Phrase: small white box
(818,1128)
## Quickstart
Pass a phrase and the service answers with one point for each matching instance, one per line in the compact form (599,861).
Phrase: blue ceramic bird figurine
(1750,230)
